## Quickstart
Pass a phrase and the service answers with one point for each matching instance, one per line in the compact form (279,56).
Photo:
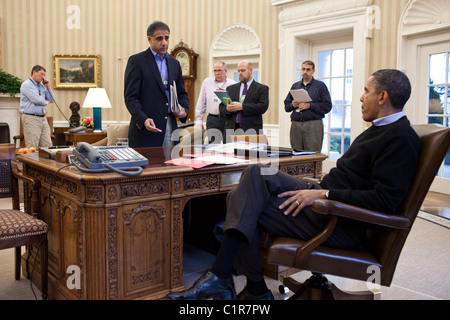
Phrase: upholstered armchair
(385,238)
(19,228)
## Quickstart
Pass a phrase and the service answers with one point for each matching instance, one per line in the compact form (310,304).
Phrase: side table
(74,138)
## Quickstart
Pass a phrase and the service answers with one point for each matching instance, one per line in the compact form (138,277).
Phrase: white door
(434,98)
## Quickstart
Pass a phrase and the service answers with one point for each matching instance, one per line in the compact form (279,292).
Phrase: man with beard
(306,117)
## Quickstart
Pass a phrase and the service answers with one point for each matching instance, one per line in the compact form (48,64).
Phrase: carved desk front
(124,235)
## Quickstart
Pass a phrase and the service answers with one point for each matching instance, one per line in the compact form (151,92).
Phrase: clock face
(183,58)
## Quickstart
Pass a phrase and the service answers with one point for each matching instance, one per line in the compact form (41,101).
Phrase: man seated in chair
(375,173)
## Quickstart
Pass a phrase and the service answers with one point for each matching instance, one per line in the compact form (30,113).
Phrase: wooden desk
(74,138)
(126,233)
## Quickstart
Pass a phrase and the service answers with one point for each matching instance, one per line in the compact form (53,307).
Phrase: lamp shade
(97,98)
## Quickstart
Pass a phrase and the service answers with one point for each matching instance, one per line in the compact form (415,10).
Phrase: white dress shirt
(208,102)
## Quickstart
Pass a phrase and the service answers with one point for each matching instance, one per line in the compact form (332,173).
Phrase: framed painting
(76,71)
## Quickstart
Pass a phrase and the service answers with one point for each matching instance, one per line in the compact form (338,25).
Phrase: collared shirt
(162,66)
(34,96)
(248,87)
(389,119)
(321,101)
(208,102)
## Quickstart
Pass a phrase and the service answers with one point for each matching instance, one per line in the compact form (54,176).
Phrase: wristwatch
(327,194)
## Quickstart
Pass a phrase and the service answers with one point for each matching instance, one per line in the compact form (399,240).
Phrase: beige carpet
(422,272)
(423,269)
(424,264)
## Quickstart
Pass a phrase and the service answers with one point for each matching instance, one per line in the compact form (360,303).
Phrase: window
(254,75)
(439,97)
(439,89)
(335,69)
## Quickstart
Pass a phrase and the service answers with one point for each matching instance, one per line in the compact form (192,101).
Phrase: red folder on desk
(197,163)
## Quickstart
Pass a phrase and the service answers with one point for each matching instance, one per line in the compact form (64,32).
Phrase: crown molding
(302,9)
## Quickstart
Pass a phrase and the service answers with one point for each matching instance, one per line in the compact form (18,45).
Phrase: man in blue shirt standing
(307,123)
(35,97)
(148,78)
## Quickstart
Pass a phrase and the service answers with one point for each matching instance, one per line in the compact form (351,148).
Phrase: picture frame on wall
(76,71)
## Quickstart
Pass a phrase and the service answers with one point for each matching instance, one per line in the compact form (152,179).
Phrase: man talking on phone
(35,98)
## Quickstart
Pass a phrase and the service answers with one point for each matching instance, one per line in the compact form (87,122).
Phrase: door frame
(414,39)
(296,40)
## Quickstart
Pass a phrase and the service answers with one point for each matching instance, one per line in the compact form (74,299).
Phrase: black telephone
(120,159)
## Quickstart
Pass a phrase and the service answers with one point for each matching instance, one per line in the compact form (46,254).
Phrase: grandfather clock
(188,61)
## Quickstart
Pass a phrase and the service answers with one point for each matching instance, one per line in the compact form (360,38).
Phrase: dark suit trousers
(252,207)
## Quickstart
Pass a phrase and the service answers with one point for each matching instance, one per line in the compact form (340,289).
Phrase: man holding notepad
(308,112)
(249,101)
(208,102)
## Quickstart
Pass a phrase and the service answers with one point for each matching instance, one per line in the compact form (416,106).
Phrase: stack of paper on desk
(260,150)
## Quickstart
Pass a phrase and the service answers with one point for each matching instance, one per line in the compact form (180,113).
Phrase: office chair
(21,138)
(18,228)
(385,238)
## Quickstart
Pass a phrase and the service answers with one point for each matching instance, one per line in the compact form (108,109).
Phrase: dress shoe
(209,286)
(245,295)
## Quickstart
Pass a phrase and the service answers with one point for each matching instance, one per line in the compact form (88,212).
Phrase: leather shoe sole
(209,286)
(245,295)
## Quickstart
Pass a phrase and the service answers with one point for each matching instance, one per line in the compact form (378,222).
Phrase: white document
(174,104)
(218,159)
(301,95)
(227,148)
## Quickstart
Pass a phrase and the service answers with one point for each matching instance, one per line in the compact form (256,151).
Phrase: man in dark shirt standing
(307,124)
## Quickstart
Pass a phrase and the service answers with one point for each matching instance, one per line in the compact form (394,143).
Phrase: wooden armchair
(385,239)
(18,228)
(21,138)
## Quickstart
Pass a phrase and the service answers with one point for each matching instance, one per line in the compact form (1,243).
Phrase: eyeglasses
(217,71)
(161,38)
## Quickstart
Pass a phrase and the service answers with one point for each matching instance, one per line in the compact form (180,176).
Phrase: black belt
(214,115)
(36,115)
(306,120)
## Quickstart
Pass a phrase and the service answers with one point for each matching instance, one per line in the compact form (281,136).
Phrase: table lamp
(97,98)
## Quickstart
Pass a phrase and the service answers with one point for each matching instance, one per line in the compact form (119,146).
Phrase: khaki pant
(36,131)
(307,135)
